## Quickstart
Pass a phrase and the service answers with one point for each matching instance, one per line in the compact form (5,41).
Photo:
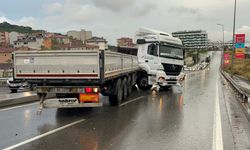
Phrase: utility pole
(233,42)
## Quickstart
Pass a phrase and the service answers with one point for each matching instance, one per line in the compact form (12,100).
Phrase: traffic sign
(240,55)
(240,50)
(239,45)
(226,59)
(240,38)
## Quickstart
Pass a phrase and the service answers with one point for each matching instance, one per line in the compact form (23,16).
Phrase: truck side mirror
(141,41)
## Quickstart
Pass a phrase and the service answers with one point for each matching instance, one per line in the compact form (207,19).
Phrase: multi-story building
(53,39)
(13,36)
(4,38)
(195,39)
(82,35)
(125,42)
(5,57)
(97,41)
(30,42)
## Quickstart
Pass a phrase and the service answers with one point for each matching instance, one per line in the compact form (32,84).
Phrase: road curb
(21,100)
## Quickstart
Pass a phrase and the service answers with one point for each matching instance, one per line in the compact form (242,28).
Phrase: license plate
(67,101)
(172,77)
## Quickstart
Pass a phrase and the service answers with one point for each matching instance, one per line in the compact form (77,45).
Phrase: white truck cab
(161,57)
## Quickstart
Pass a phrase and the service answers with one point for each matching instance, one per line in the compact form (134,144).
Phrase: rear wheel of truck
(142,83)
(129,85)
(116,98)
(125,88)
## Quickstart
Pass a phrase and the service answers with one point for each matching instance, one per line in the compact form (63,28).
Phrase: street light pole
(233,42)
(223,43)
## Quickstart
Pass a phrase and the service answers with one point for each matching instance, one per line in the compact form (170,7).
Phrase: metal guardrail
(244,96)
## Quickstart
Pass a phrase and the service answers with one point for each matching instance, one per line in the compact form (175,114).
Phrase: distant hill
(7,27)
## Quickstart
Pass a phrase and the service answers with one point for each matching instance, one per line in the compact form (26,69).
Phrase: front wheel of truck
(142,83)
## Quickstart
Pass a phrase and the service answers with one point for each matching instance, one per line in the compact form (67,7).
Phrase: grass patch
(241,67)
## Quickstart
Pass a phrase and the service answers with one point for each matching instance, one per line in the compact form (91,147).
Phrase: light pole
(233,42)
(223,44)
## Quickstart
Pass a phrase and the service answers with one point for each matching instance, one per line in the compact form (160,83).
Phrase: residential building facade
(97,41)
(30,42)
(4,38)
(125,42)
(5,57)
(194,39)
(13,36)
(82,35)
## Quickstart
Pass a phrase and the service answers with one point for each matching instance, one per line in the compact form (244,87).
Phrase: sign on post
(240,50)
(240,55)
(240,38)
(226,59)
(240,46)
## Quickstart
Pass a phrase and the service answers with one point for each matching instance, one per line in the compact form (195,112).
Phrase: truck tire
(142,83)
(116,98)
(129,85)
(31,87)
(125,88)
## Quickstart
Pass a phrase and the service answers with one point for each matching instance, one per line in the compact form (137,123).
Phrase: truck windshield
(171,51)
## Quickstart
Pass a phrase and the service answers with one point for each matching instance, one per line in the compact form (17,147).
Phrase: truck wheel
(129,85)
(116,99)
(13,90)
(31,87)
(125,88)
(142,83)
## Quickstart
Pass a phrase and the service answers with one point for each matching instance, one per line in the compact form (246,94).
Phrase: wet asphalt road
(181,118)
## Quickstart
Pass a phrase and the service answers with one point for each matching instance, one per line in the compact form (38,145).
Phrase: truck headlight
(161,79)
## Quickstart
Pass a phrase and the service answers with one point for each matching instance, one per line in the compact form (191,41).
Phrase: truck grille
(171,69)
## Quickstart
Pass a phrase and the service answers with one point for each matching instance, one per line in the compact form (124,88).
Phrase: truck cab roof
(150,35)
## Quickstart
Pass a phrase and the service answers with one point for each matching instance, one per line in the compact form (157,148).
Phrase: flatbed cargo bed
(72,67)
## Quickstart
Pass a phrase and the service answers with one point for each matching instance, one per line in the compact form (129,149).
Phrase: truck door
(152,58)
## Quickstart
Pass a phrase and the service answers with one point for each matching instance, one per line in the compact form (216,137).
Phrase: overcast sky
(113,19)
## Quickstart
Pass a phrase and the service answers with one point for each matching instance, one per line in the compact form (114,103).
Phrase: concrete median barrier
(6,102)
(3,82)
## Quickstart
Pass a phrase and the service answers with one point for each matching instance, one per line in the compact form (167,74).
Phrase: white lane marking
(217,129)
(44,135)
(136,99)
(14,107)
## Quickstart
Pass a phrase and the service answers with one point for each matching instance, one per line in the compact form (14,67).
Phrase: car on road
(14,86)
